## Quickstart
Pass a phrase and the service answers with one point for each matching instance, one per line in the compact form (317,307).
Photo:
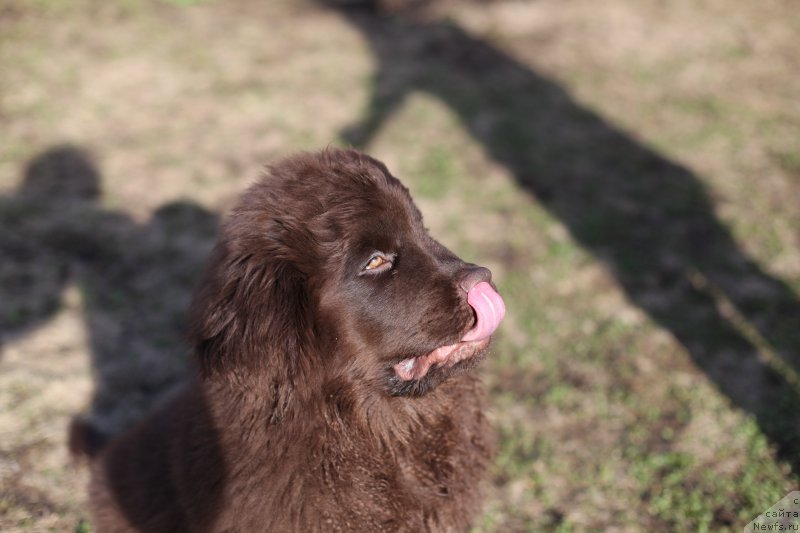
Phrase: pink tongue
(489,308)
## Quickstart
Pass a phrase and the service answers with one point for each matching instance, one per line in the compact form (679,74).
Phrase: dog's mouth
(489,310)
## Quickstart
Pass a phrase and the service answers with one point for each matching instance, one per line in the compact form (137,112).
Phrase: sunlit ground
(629,170)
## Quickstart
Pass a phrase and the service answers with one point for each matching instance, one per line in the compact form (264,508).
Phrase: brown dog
(332,336)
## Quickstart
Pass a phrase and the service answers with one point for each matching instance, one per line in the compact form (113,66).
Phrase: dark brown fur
(296,421)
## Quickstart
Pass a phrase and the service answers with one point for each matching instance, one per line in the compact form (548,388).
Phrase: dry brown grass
(614,413)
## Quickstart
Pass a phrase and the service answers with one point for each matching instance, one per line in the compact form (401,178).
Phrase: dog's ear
(251,314)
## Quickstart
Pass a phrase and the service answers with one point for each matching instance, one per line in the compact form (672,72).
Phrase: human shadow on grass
(650,220)
(135,279)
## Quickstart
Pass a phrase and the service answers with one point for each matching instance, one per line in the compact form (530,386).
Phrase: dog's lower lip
(418,366)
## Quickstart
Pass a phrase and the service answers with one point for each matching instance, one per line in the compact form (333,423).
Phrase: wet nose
(472,275)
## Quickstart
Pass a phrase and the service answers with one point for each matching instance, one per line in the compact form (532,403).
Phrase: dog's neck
(254,404)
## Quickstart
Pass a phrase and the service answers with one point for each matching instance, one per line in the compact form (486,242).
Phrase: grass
(636,202)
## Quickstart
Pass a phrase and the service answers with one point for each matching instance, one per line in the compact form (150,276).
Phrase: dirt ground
(630,171)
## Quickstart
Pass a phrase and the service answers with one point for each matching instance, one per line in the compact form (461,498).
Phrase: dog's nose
(472,275)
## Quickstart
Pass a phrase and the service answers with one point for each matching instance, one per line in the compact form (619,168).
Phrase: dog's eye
(378,263)
(375,262)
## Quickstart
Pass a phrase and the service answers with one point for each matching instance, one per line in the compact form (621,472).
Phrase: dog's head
(325,269)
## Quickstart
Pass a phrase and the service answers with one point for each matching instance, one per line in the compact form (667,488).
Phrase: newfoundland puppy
(333,338)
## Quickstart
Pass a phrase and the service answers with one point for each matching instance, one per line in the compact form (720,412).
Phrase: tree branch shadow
(650,220)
